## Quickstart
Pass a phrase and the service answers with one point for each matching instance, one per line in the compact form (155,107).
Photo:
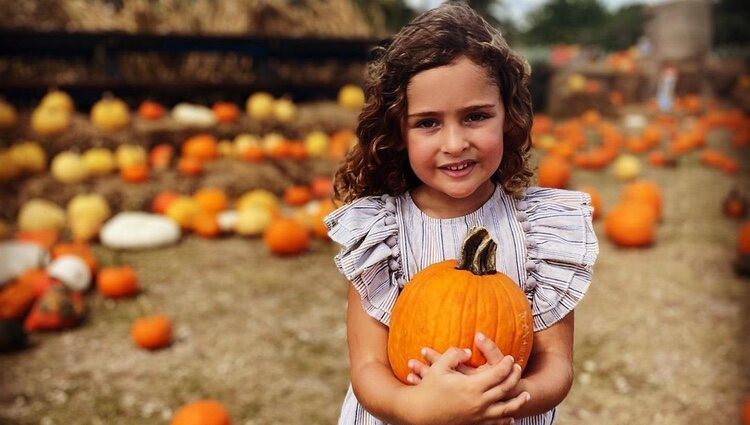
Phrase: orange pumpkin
(253,153)
(211,199)
(447,303)
(297,196)
(743,239)
(205,224)
(226,112)
(160,156)
(631,224)
(735,205)
(553,172)
(201,412)
(190,166)
(296,150)
(322,187)
(16,298)
(42,237)
(645,191)
(135,173)
(202,146)
(117,282)
(152,332)
(285,236)
(150,110)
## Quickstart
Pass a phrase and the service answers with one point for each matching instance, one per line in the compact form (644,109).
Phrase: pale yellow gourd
(99,161)
(68,167)
(128,155)
(260,106)
(58,99)
(8,115)
(351,97)
(253,220)
(183,211)
(41,214)
(29,156)
(316,143)
(50,121)
(110,113)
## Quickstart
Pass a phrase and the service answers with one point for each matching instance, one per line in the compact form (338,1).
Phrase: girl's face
(454,137)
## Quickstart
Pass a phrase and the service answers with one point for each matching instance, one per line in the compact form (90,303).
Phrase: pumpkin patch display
(117,282)
(447,303)
(152,332)
(201,412)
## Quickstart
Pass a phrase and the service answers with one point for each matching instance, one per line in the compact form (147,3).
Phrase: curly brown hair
(378,164)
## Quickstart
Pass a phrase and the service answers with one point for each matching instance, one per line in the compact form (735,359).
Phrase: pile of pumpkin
(632,222)
(53,115)
(42,287)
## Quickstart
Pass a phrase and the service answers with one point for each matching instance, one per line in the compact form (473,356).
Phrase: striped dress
(545,243)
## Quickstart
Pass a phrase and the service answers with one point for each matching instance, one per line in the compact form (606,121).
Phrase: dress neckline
(496,194)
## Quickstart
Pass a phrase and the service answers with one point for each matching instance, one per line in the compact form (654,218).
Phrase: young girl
(443,144)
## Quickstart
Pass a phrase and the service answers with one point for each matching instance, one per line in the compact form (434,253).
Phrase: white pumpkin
(18,257)
(139,230)
(227,220)
(194,115)
(72,271)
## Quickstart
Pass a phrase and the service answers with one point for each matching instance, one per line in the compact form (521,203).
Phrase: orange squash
(553,172)
(226,112)
(631,224)
(190,166)
(202,146)
(447,303)
(201,412)
(160,156)
(297,196)
(205,224)
(211,199)
(285,236)
(150,110)
(117,282)
(646,191)
(135,173)
(152,332)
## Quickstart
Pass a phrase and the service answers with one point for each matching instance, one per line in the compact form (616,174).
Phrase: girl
(443,144)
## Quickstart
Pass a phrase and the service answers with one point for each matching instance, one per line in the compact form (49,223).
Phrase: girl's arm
(444,396)
(548,376)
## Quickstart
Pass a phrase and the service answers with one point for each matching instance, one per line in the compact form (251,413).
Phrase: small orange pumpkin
(205,224)
(646,191)
(226,112)
(285,236)
(211,199)
(322,187)
(297,196)
(447,303)
(190,166)
(160,156)
(631,224)
(202,146)
(202,412)
(135,173)
(735,205)
(150,110)
(553,172)
(162,201)
(152,332)
(117,282)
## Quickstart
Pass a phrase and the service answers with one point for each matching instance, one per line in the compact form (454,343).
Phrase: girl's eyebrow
(462,110)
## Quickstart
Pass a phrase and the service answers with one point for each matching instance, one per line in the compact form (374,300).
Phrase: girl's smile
(454,137)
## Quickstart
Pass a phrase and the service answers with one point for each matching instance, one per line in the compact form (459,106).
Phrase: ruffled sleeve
(367,231)
(561,251)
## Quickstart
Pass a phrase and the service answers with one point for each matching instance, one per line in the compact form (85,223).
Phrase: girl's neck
(438,205)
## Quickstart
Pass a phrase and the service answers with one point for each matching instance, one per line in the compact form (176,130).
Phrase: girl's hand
(489,349)
(459,398)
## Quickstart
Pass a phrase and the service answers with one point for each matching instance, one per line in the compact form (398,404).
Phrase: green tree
(623,28)
(567,21)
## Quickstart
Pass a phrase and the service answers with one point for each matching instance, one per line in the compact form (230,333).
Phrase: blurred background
(165,166)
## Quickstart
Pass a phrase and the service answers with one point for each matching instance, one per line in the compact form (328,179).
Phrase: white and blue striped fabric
(545,243)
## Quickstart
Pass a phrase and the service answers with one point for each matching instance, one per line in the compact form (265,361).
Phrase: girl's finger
(492,375)
(506,408)
(502,390)
(418,368)
(430,355)
(413,379)
(452,358)
(489,349)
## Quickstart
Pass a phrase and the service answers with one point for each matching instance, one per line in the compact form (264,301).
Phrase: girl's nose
(454,140)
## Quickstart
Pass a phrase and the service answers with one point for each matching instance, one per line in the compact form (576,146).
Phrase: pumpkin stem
(478,252)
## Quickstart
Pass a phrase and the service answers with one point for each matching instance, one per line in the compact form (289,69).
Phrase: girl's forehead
(460,80)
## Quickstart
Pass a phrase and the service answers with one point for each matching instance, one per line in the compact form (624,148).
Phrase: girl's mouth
(458,169)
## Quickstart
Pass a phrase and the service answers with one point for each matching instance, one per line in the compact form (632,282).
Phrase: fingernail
(423,351)
(528,396)
(467,351)
(517,366)
(481,337)
(410,364)
(410,378)
(512,359)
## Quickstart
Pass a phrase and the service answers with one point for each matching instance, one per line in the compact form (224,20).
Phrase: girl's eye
(427,124)
(476,116)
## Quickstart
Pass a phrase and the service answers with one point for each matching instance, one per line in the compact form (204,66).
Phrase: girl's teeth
(460,167)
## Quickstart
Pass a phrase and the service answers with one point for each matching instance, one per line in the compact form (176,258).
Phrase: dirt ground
(661,336)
